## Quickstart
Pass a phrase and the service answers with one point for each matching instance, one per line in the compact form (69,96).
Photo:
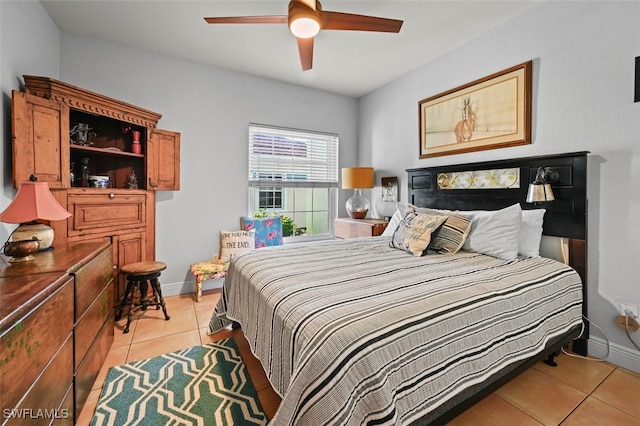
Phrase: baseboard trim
(619,355)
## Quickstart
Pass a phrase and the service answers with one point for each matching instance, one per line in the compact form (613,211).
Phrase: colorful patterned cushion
(268,230)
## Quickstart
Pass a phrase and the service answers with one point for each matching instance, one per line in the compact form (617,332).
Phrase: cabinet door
(163,160)
(107,212)
(130,248)
(40,145)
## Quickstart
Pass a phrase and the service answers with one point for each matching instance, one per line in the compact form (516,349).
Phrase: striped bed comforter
(353,332)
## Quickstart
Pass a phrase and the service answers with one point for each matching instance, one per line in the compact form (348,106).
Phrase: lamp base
(40,231)
(357,206)
(358,214)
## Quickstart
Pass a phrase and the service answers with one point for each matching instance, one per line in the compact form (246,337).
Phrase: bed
(355,331)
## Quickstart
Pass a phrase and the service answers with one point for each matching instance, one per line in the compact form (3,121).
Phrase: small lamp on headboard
(357,178)
(540,189)
(33,201)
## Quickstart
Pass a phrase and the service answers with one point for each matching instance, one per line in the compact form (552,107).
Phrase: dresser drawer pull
(112,196)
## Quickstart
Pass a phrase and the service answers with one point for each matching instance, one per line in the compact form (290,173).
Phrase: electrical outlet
(624,308)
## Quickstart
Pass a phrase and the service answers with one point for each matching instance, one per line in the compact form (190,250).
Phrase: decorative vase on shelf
(135,146)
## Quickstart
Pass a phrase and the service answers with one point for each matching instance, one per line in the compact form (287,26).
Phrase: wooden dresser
(345,227)
(56,328)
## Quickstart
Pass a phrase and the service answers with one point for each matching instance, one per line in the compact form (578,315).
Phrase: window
(269,198)
(294,174)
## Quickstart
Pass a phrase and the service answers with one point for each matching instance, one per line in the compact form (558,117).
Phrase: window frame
(302,159)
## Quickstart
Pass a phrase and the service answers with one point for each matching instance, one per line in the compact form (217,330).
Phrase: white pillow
(531,232)
(235,242)
(397,217)
(495,233)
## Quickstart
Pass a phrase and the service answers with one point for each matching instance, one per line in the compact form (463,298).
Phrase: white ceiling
(346,62)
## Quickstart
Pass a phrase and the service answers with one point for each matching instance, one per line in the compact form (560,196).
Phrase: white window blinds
(292,158)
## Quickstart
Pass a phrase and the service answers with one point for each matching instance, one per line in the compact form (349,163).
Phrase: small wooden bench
(210,270)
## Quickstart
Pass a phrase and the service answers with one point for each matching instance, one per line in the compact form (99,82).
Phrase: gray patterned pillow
(414,233)
(452,234)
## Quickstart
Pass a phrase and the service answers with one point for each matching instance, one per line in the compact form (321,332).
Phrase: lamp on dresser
(33,201)
(357,178)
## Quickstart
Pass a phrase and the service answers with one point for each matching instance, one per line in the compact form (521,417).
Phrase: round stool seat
(143,268)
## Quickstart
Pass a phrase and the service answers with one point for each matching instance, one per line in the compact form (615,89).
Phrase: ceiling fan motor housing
(304,22)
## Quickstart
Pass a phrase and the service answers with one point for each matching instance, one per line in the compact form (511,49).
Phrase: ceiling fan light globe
(304,27)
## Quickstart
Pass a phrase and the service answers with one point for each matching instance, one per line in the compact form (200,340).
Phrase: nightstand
(345,227)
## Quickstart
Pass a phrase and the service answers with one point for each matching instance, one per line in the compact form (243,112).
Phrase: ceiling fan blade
(276,19)
(352,22)
(305,49)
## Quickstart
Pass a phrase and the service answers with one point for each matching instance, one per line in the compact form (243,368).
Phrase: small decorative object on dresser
(351,228)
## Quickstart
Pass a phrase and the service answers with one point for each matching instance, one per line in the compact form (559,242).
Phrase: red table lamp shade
(32,202)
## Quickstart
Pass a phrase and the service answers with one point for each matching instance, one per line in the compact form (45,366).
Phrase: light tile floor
(577,392)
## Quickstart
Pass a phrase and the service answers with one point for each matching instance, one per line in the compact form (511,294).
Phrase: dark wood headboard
(566,216)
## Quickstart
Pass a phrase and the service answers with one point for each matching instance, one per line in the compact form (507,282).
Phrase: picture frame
(636,95)
(489,113)
(390,189)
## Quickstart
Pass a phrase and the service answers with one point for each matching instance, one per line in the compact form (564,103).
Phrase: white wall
(30,44)
(583,64)
(210,107)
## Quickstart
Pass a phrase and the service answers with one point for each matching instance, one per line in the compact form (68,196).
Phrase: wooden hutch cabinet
(48,142)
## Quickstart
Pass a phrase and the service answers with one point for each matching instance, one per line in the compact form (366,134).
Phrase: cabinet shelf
(104,151)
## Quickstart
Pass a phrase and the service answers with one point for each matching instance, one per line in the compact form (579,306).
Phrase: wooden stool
(139,276)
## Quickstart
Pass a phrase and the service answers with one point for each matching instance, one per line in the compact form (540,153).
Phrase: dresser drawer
(91,279)
(28,347)
(91,365)
(50,392)
(89,325)
(105,213)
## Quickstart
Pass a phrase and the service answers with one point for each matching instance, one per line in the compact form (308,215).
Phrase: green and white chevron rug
(202,385)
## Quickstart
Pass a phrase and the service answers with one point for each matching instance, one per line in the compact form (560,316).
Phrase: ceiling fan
(306,18)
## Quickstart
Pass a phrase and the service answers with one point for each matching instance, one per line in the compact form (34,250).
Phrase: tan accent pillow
(453,233)
(234,242)
(417,240)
